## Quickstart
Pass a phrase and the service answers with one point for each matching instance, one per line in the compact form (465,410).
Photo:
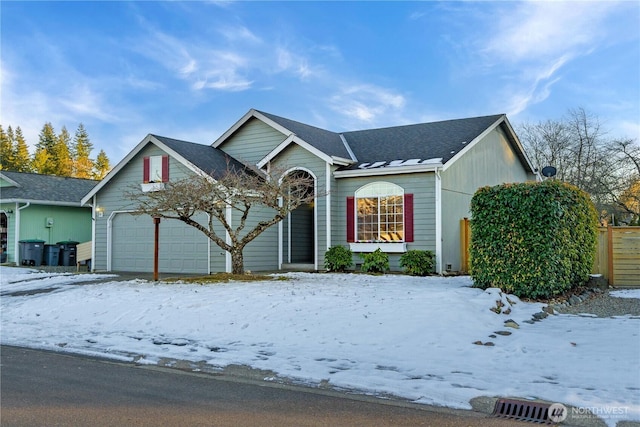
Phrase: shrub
(338,258)
(417,263)
(375,262)
(534,240)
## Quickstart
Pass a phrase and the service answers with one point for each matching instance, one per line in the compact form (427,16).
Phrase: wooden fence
(617,257)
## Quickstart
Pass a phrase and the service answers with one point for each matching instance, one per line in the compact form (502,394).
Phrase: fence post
(610,253)
(464,245)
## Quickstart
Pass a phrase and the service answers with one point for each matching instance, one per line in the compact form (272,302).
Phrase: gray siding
(112,198)
(295,156)
(261,254)
(252,141)
(491,161)
(421,185)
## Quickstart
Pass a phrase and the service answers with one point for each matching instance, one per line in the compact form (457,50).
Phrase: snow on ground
(626,293)
(406,336)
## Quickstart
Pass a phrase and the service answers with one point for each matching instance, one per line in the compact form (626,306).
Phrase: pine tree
(22,159)
(43,158)
(61,154)
(6,150)
(82,146)
(102,166)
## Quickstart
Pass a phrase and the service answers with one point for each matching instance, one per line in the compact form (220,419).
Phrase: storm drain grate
(536,412)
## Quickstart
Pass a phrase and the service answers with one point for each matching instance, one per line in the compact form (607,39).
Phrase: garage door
(182,249)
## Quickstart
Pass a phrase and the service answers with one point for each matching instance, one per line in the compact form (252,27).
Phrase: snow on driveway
(406,336)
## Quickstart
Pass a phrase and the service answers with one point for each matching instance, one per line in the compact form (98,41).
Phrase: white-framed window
(155,169)
(379,213)
(380,216)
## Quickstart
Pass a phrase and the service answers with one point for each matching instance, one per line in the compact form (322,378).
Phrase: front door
(302,234)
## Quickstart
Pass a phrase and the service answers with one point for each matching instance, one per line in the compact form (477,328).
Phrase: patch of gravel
(599,303)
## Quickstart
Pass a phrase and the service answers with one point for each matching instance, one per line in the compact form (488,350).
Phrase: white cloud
(531,42)
(366,103)
(239,33)
(286,60)
(540,30)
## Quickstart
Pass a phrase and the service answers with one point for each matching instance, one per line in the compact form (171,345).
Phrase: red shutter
(408,217)
(350,219)
(145,170)
(165,168)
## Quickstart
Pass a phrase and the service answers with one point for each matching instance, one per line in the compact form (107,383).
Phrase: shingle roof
(419,141)
(210,160)
(376,147)
(45,188)
(326,141)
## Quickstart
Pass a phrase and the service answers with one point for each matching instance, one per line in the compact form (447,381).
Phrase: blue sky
(189,70)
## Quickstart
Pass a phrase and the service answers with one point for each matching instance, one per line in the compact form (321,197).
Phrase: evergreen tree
(22,159)
(41,162)
(102,166)
(61,154)
(43,158)
(82,146)
(6,150)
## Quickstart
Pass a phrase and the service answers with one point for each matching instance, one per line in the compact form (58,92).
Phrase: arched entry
(299,231)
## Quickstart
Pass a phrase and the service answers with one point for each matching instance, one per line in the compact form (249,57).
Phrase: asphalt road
(40,388)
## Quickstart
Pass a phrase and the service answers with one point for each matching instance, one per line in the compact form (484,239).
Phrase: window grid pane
(380,219)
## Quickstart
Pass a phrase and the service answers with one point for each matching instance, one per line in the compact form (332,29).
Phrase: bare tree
(237,189)
(622,181)
(577,147)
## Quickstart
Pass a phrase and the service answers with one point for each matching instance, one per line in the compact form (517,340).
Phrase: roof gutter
(388,170)
(42,202)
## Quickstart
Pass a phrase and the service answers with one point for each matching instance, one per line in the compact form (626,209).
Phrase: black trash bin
(51,255)
(31,252)
(68,252)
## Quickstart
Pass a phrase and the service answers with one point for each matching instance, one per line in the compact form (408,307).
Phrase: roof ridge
(270,115)
(44,175)
(427,123)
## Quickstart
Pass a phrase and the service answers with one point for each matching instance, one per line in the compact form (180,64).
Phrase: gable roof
(419,147)
(326,141)
(208,159)
(44,189)
(425,142)
(329,146)
(201,159)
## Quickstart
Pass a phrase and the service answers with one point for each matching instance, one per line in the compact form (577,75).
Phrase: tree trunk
(237,261)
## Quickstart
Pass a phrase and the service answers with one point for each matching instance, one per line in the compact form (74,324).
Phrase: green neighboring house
(42,207)
(397,189)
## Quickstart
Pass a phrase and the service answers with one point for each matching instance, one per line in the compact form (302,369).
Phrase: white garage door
(182,249)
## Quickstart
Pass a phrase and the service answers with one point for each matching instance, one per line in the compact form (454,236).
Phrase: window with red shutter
(145,169)
(380,212)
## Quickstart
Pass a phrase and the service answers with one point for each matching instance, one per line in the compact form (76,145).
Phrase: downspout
(438,224)
(16,234)
(327,204)
(93,232)
(280,238)
(109,231)
(229,219)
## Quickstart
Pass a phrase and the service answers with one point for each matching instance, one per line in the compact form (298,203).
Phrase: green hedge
(535,239)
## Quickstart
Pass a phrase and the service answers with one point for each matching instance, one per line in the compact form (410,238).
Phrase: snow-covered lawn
(406,336)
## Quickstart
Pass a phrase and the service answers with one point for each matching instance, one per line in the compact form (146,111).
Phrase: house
(42,207)
(396,188)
